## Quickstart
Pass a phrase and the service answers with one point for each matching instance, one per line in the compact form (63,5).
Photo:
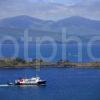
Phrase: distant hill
(76,25)
(23,22)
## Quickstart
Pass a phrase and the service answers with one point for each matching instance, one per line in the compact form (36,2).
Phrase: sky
(66,1)
(50,9)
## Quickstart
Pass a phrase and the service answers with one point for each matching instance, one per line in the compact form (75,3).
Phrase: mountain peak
(22,17)
(76,18)
(22,21)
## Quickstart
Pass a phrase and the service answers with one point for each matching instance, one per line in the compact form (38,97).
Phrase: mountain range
(76,25)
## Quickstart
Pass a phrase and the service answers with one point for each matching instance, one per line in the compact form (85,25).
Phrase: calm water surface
(62,84)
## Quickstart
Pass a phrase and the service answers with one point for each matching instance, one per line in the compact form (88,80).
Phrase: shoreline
(48,66)
(38,63)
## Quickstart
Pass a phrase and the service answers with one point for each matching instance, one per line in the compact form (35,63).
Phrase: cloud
(48,9)
(88,8)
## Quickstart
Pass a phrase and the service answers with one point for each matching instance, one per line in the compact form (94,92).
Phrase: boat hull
(41,82)
(38,83)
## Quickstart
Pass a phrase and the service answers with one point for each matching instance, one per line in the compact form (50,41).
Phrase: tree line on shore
(17,62)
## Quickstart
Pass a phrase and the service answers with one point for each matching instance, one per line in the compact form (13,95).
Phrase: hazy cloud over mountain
(50,9)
